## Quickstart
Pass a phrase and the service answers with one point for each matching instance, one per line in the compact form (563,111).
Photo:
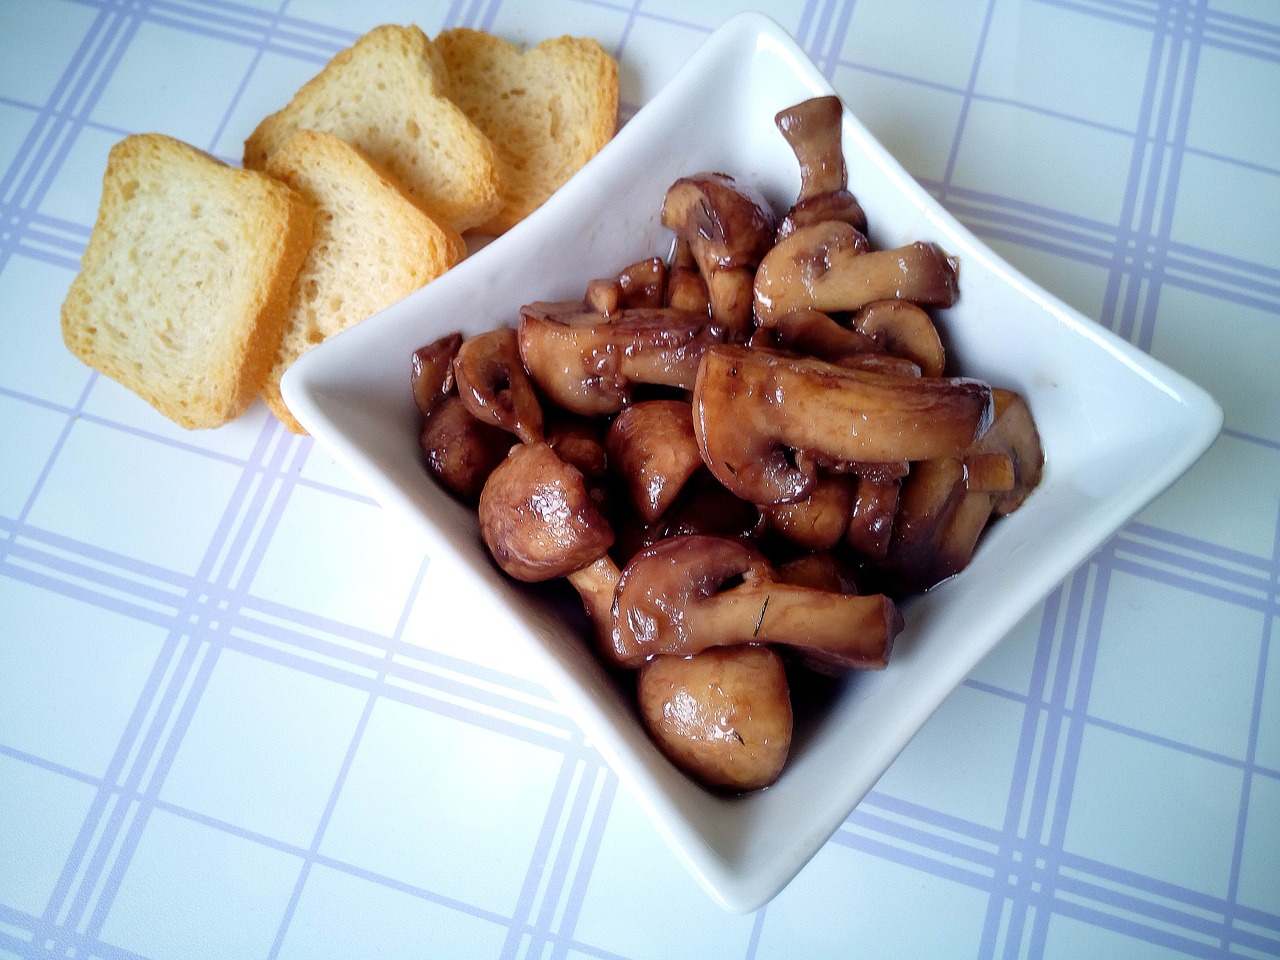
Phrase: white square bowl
(1118,428)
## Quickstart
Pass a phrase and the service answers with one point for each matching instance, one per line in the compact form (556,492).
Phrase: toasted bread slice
(386,94)
(548,109)
(372,246)
(183,286)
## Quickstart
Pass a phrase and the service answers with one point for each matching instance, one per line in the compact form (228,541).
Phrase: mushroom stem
(846,629)
(595,583)
(673,598)
(812,130)
(728,227)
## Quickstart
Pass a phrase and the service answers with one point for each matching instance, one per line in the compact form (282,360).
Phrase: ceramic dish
(1118,428)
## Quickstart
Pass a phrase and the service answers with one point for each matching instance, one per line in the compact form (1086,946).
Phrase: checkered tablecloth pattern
(242,716)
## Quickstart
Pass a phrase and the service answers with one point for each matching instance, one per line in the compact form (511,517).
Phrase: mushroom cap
(431,372)
(904,329)
(461,451)
(723,716)
(814,334)
(728,224)
(819,520)
(1013,432)
(653,452)
(661,585)
(537,518)
(492,382)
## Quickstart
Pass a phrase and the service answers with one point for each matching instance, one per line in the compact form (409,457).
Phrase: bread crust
(183,285)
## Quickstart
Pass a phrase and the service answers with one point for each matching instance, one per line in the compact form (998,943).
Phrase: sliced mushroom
(818,520)
(756,410)
(431,372)
(686,290)
(723,717)
(903,329)
(539,523)
(577,441)
(819,569)
(813,130)
(653,452)
(1013,434)
(461,451)
(686,594)
(591,365)
(729,227)
(870,526)
(642,284)
(493,384)
(937,526)
(814,334)
(826,266)
(881,363)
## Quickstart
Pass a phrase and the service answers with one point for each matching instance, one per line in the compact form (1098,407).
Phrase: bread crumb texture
(387,94)
(548,109)
(183,285)
(372,246)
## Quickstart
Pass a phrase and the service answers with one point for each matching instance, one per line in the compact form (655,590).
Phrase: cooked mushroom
(461,451)
(881,363)
(756,411)
(937,525)
(1012,434)
(686,594)
(686,290)
(728,227)
(431,372)
(653,452)
(814,334)
(903,329)
(813,130)
(723,717)
(818,520)
(539,523)
(642,284)
(870,526)
(703,506)
(820,569)
(590,366)
(577,441)
(493,384)
(828,267)
(989,472)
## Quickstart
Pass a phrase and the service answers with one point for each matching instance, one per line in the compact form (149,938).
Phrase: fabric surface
(242,715)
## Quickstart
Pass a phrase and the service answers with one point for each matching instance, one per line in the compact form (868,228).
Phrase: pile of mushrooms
(742,455)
